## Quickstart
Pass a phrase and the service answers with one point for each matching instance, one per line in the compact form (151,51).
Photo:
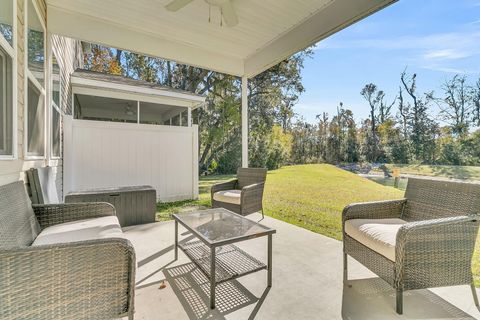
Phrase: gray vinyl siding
(69,53)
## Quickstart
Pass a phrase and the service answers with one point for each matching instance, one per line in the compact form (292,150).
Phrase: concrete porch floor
(307,283)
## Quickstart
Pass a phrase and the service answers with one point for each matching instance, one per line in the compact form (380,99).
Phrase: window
(7,54)
(176,120)
(35,113)
(158,114)
(99,108)
(184,116)
(56,113)
(6,20)
(35,121)
(89,107)
(56,141)
(36,44)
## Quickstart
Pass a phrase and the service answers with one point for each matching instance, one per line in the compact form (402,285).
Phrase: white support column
(244,122)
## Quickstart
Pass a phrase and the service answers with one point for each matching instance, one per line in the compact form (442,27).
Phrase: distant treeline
(414,127)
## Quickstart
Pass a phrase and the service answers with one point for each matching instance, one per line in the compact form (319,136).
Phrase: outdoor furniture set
(70,261)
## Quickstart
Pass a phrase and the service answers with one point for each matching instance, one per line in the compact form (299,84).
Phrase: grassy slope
(313,196)
(309,196)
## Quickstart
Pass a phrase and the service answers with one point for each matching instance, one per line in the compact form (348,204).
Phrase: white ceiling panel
(268,30)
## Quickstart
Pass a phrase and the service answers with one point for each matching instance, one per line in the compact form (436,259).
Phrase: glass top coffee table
(213,250)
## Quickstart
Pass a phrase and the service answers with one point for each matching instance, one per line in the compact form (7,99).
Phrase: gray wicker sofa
(243,195)
(62,261)
(425,240)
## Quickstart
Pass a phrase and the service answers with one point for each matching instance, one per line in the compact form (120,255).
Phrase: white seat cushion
(81,230)
(228,196)
(377,234)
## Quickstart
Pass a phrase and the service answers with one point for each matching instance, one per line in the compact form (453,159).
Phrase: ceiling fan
(226,9)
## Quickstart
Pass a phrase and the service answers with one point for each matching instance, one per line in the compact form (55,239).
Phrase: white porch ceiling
(268,30)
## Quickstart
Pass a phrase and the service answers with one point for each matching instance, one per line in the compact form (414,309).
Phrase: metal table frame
(213,245)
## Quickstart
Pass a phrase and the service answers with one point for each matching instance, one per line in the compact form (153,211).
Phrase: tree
(322,135)
(456,106)
(423,129)
(102,59)
(475,94)
(379,112)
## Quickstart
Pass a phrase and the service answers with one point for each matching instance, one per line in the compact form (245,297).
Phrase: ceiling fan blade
(176,5)
(229,14)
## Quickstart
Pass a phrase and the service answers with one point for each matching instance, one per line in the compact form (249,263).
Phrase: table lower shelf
(230,261)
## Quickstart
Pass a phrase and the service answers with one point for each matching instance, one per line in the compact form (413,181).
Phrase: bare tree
(403,109)
(423,128)
(475,94)
(373,96)
(456,106)
(384,109)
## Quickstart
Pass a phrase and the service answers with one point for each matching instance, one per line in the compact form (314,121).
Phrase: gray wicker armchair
(92,279)
(423,241)
(243,195)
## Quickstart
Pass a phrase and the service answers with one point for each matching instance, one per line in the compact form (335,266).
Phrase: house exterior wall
(69,53)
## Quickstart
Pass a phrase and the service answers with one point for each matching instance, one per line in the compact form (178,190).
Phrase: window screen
(105,109)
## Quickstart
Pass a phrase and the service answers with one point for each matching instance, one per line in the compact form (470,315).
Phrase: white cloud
(440,68)
(437,51)
(436,41)
(446,54)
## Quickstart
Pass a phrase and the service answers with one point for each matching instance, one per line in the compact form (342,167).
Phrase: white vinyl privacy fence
(100,154)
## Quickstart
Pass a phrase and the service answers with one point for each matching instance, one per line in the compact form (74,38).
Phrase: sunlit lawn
(309,196)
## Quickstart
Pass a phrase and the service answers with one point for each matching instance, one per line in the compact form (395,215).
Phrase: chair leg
(345,268)
(399,301)
(475,297)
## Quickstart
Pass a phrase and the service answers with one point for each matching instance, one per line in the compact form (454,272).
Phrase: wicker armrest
(80,280)
(439,250)
(253,191)
(228,185)
(52,214)
(374,210)
(443,233)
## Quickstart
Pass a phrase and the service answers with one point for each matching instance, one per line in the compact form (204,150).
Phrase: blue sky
(434,38)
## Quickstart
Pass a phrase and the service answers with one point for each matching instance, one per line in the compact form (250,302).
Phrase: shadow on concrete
(373,299)
(140,284)
(192,288)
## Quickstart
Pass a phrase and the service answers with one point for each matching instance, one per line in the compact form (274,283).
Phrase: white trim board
(139,93)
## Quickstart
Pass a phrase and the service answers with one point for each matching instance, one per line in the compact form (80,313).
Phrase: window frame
(53,105)
(11,50)
(29,76)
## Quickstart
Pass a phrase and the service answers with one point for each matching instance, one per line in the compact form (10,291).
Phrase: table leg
(269,265)
(212,278)
(176,240)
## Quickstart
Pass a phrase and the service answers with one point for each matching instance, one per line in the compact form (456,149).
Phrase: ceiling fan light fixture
(227,11)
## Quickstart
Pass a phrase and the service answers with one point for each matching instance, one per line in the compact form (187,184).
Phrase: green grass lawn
(165,210)
(309,196)
(313,196)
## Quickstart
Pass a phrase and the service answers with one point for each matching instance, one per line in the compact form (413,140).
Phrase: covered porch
(307,283)
(307,267)
(197,33)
